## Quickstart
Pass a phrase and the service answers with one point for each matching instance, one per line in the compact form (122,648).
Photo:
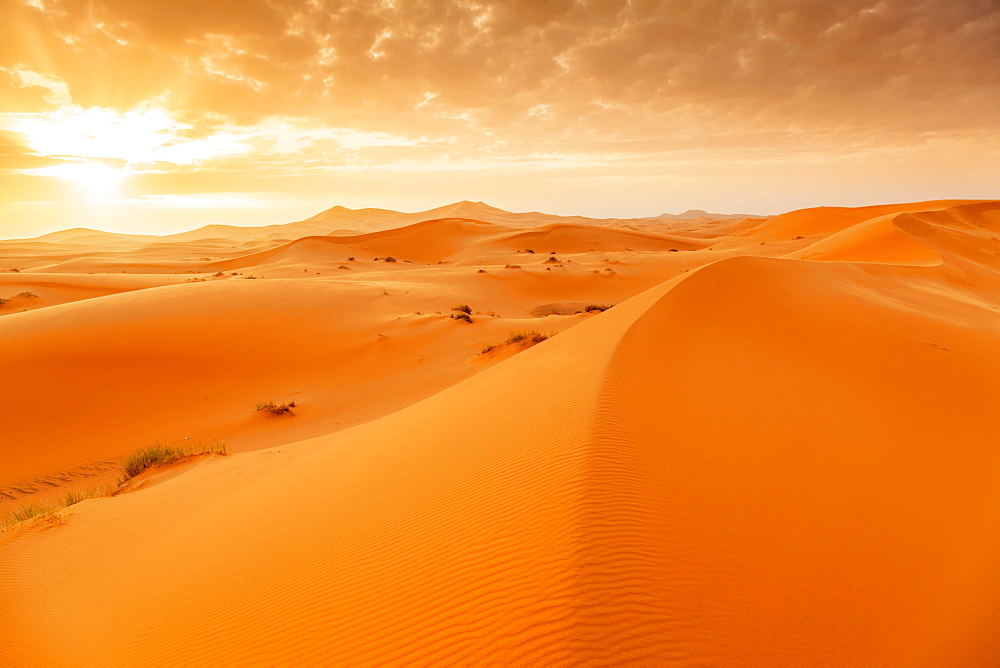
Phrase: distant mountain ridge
(340,220)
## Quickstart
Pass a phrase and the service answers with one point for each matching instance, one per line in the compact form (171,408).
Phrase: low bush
(465,308)
(461,315)
(276,409)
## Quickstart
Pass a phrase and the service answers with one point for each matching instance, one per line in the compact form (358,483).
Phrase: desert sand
(779,447)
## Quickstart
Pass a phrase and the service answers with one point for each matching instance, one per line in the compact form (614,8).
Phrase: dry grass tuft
(160,454)
(134,465)
(272,407)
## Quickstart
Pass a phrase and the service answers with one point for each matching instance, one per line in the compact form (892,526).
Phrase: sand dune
(778,448)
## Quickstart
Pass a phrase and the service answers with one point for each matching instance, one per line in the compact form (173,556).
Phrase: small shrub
(350,259)
(343,266)
(512,266)
(461,315)
(218,274)
(487,349)
(276,409)
(465,308)
(672,250)
(552,260)
(390,259)
(597,307)
(528,250)
(481,271)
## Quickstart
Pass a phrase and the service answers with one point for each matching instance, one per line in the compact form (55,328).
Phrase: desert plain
(701,439)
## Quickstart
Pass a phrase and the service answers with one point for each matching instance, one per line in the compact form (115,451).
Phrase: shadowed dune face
(777,447)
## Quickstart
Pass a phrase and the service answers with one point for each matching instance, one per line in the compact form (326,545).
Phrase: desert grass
(159,454)
(135,464)
(517,336)
(532,335)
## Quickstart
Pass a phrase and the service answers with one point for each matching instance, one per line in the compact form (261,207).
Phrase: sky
(158,117)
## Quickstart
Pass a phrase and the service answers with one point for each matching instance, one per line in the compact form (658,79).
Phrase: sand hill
(778,447)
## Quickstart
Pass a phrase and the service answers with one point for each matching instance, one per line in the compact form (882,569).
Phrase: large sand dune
(778,448)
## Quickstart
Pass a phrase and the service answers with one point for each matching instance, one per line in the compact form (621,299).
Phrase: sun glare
(96,178)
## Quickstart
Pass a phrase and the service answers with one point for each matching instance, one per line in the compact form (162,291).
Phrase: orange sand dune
(756,460)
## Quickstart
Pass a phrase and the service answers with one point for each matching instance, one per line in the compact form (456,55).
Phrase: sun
(96,178)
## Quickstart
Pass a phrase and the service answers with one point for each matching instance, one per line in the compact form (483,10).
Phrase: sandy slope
(772,454)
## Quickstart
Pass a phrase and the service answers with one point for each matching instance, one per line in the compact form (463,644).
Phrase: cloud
(275,86)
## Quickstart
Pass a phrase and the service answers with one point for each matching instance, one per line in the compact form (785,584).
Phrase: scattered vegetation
(461,315)
(528,250)
(465,308)
(350,259)
(517,336)
(274,408)
(218,274)
(512,266)
(343,266)
(133,466)
(159,454)
(532,335)
(552,260)
(590,308)
(481,271)
(672,250)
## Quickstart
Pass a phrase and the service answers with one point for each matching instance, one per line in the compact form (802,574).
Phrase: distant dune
(718,440)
